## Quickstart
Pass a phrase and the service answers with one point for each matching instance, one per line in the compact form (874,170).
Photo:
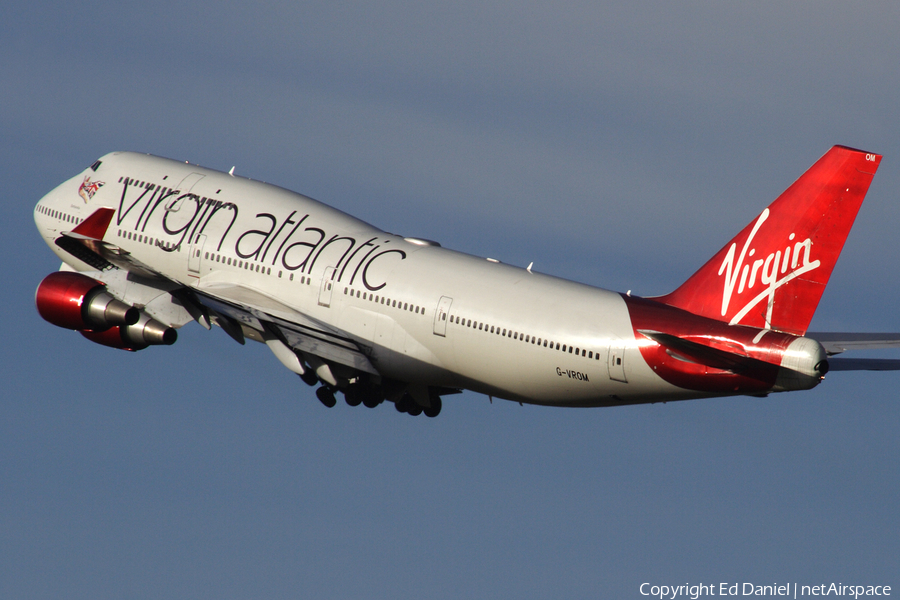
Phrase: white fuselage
(422,314)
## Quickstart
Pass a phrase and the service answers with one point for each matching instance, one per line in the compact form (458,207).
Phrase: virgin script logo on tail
(772,271)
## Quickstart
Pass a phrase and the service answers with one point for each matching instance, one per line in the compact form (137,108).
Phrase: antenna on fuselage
(231,172)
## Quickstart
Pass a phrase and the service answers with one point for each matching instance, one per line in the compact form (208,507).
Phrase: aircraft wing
(85,243)
(261,312)
(231,305)
(103,255)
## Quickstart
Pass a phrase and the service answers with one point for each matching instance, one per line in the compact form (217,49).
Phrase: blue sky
(619,146)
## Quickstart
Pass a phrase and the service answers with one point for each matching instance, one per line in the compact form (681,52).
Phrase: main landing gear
(326,396)
(406,404)
(371,395)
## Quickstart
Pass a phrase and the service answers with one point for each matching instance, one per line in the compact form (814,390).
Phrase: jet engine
(75,301)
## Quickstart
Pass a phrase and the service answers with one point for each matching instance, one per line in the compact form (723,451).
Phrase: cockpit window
(95,166)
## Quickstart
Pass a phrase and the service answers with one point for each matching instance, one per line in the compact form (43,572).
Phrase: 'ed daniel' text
(790,590)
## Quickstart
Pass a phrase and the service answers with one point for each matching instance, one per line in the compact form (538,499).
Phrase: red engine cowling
(75,301)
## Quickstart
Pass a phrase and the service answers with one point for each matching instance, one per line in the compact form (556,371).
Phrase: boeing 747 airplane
(150,244)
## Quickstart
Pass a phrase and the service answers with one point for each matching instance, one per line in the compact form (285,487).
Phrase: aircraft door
(327,287)
(441,315)
(616,361)
(195,256)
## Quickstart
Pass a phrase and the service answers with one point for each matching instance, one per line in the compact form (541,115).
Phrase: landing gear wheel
(415,409)
(407,405)
(326,397)
(353,396)
(309,378)
(372,396)
(435,408)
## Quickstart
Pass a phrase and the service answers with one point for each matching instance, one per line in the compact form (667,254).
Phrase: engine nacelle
(75,301)
(146,332)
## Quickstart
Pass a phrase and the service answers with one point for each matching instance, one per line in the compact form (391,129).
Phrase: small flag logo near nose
(88,188)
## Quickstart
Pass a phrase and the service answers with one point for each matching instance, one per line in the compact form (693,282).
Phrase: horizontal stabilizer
(864,364)
(835,343)
(703,355)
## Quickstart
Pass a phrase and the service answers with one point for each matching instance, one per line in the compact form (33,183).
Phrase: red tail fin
(773,273)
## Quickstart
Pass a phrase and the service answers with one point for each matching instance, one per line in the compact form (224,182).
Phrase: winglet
(95,226)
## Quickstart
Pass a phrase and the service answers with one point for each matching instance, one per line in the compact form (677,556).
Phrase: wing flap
(253,308)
